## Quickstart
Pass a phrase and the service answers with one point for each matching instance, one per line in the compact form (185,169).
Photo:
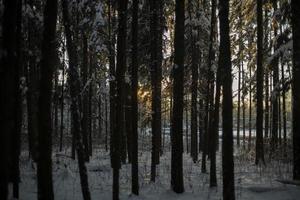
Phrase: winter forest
(149,99)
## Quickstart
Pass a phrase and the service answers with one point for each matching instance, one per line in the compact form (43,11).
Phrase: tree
(16,135)
(76,102)
(32,74)
(134,100)
(85,97)
(62,105)
(214,116)
(120,73)
(44,162)
(296,87)
(215,130)
(250,96)
(8,73)
(267,106)
(177,115)
(240,63)
(227,138)
(112,74)
(155,87)
(259,87)
(194,89)
(275,104)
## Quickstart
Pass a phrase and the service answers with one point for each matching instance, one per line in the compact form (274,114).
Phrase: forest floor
(252,182)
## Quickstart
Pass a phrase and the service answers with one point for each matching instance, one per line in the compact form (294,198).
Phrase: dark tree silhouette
(44,162)
(76,102)
(120,73)
(194,88)
(134,100)
(214,116)
(177,115)
(296,87)
(227,139)
(275,104)
(155,86)
(8,73)
(259,87)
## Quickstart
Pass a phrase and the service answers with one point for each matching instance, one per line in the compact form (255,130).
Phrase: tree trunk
(240,61)
(120,73)
(214,113)
(275,105)
(155,87)
(85,97)
(215,129)
(76,102)
(238,107)
(227,139)
(106,123)
(32,74)
(296,87)
(90,104)
(279,113)
(55,102)
(177,116)
(266,51)
(112,74)
(134,100)
(128,123)
(194,90)
(284,118)
(243,106)
(62,107)
(44,163)
(16,136)
(267,108)
(187,123)
(250,108)
(259,88)
(100,112)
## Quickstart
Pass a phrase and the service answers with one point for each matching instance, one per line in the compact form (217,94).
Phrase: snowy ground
(252,182)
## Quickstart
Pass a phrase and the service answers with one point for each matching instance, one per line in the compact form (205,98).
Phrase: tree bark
(76,102)
(250,107)
(215,129)
(243,106)
(227,138)
(275,105)
(62,107)
(296,88)
(134,100)
(120,73)
(85,98)
(44,163)
(16,136)
(155,87)
(194,89)
(259,87)
(177,116)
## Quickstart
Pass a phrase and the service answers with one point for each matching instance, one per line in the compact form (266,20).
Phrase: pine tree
(8,73)
(44,163)
(134,100)
(177,115)
(275,104)
(227,138)
(76,101)
(214,116)
(194,87)
(296,87)
(259,87)
(155,86)
(119,103)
